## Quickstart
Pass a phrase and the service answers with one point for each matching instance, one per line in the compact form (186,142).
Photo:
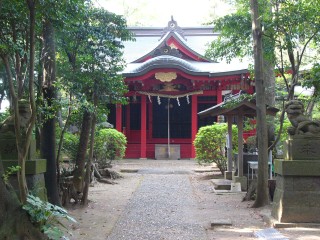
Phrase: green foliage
(312,79)
(234,39)
(284,133)
(232,102)
(90,56)
(47,217)
(248,124)
(4,115)
(70,145)
(210,143)
(109,145)
(252,143)
(9,171)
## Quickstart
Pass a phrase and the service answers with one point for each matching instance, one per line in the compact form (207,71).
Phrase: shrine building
(169,83)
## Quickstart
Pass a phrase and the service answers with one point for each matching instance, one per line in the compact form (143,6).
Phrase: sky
(157,13)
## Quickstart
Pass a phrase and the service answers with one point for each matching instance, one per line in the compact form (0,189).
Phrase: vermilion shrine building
(168,85)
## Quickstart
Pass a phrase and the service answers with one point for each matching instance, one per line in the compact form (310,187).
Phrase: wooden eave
(245,107)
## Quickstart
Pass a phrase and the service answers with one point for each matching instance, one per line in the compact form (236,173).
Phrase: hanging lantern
(178,101)
(149,98)
(159,101)
(188,100)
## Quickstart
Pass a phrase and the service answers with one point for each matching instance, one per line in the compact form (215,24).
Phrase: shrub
(70,145)
(109,145)
(210,143)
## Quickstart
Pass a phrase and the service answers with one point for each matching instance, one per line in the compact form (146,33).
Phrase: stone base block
(8,148)
(296,199)
(228,175)
(34,166)
(243,181)
(35,170)
(297,167)
(35,183)
(296,214)
(302,147)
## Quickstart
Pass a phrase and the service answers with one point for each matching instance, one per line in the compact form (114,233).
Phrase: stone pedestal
(297,194)
(228,175)
(243,181)
(161,151)
(35,168)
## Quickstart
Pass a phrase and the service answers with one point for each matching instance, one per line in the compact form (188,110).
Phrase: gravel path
(162,208)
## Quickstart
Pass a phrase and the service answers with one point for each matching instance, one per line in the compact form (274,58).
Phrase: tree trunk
(64,129)
(262,183)
(47,149)
(48,136)
(89,163)
(78,175)
(269,79)
(14,221)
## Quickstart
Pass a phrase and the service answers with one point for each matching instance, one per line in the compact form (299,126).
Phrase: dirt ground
(108,202)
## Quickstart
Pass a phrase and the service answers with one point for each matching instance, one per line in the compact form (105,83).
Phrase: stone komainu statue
(301,124)
(7,126)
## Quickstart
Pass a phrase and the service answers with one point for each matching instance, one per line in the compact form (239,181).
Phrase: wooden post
(128,121)
(240,145)
(219,96)
(228,173)
(194,123)
(119,117)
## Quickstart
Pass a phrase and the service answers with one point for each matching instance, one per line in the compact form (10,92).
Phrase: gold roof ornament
(165,76)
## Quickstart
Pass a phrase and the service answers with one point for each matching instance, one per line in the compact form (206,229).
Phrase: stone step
(221,184)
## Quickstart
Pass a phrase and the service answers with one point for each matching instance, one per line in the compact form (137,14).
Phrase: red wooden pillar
(150,125)
(119,117)
(219,96)
(143,145)
(194,122)
(128,121)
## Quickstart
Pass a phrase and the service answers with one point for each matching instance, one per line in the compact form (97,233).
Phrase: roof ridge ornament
(167,50)
(173,27)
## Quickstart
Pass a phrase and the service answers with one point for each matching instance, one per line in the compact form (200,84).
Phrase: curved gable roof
(173,42)
(209,69)
(169,39)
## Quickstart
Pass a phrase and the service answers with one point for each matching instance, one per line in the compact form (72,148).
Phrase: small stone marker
(269,234)
(203,170)
(221,222)
(129,170)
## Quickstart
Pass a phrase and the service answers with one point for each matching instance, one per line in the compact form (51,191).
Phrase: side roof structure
(235,105)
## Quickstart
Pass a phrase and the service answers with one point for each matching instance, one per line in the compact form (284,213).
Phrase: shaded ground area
(169,200)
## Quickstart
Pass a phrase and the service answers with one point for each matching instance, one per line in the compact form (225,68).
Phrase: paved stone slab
(270,234)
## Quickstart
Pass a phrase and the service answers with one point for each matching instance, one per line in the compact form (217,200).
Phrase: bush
(70,145)
(210,143)
(109,145)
